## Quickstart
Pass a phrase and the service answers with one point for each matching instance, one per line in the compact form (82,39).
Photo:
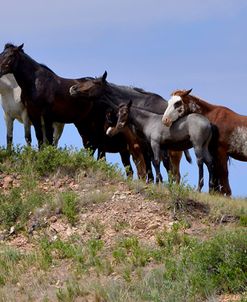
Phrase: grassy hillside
(73,229)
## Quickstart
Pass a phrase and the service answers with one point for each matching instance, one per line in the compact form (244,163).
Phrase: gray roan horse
(193,130)
(144,103)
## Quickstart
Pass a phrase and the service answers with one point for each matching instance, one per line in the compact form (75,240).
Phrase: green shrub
(221,263)
(243,220)
(70,206)
(130,251)
(196,271)
(11,207)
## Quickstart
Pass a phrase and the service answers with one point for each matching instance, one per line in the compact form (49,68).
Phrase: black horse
(113,95)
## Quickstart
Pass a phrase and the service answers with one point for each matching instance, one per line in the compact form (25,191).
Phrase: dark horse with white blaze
(143,102)
(231,127)
(46,96)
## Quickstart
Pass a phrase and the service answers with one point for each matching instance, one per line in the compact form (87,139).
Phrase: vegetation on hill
(74,229)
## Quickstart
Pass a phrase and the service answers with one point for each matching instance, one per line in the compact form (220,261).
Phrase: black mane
(141,99)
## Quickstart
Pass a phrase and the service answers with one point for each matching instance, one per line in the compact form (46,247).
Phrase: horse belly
(179,146)
(238,144)
(70,112)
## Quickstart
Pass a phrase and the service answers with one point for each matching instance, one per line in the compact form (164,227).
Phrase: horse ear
(129,104)
(104,76)
(187,92)
(21,46)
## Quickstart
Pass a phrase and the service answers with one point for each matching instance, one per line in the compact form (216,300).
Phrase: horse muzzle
(166,121)
(110,131)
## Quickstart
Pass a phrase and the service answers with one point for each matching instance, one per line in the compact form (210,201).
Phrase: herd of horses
(121,119)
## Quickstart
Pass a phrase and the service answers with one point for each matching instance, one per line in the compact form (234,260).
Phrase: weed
(179,193)
(69,206)
(243,220)
(95,197)
(121,225)
(72,291)
(130,251)
(173,241)
(96,228)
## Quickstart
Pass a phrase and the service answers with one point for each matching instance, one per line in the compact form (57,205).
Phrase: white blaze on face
(238,141)
(108,131)
(171,112)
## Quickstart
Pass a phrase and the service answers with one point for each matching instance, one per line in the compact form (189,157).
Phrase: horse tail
(213,145)
(213,149)
(187,156)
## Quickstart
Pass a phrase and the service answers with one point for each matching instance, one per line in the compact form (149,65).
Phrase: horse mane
(197,99)
(147,101)
(132,89)
(179,92)
(140,90)
(46,67)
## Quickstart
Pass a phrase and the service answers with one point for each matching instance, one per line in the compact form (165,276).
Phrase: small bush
(69,206)
(243,220)
(179,193)
(130,251)
(11,208)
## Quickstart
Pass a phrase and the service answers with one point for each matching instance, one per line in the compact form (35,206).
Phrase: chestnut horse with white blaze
(231,127)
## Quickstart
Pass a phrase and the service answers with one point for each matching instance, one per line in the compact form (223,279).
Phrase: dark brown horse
(47,96)
(232,129)
(45,93)
(113,95)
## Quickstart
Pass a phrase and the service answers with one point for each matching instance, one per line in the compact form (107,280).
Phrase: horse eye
(178,104)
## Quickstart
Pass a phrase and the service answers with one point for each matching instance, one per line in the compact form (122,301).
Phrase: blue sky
(156,45)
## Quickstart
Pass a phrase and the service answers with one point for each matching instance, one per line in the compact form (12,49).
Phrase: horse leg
(38,131)
(57,132)
(27,127)
(156,161)
(48,131)
(9,125)
(208,160)
(222,168)
(149,172)
(101,154)
(175,158)
(125,157)
(138,159)
(199,158)
(166,160)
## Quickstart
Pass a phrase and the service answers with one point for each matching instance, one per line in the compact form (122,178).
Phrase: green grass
(50,159)
(175,267)
(193,271)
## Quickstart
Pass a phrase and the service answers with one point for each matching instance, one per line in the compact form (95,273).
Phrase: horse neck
(140,117)
(197,105)
(25,71)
